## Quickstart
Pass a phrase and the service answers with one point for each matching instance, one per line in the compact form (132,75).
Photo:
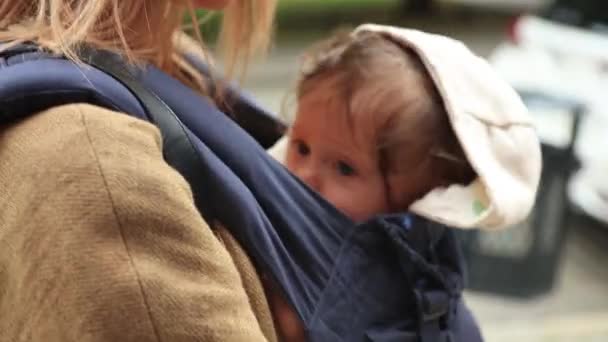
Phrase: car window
(591,14)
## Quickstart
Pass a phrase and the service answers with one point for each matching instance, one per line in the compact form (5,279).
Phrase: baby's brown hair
(418,150)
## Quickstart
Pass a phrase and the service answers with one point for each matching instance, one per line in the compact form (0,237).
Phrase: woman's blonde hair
(140,30)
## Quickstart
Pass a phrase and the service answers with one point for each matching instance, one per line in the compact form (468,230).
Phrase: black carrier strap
(178,148)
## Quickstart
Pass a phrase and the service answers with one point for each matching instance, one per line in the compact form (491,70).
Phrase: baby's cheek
(340,196)
(359,200)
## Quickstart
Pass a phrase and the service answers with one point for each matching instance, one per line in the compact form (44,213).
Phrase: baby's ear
(407,185)
(452,166)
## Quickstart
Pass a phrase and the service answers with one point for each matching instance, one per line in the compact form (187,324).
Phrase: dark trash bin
(523,260)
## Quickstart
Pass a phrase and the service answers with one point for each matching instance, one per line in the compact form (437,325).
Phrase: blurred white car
(563,52)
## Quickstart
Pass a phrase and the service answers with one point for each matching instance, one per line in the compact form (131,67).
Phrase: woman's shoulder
(89,145)
(73,122)
(126,236)
(60,129)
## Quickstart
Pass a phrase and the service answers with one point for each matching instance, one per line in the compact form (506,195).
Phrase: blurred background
(546,279)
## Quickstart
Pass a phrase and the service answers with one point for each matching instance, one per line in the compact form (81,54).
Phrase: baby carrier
(393,278)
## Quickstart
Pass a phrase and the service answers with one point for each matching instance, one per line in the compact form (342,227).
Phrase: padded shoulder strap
(105,80)
(25,90)
(31,81)
(178,149)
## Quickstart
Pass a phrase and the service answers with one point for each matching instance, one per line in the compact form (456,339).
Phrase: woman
(99,238)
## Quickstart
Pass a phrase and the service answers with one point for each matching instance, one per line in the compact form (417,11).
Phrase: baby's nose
(311,177)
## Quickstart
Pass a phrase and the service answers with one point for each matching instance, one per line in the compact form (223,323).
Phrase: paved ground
(577,309)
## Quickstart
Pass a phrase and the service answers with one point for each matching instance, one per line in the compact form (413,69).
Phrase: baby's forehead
(328,107)
(370,101)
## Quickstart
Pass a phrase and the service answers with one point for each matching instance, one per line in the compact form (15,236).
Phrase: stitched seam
(502,125)
(120,228)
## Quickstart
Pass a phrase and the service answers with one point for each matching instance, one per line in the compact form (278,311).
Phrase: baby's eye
(345,169)
(302,148)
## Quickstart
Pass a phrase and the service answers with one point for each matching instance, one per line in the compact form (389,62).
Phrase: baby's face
(337,161)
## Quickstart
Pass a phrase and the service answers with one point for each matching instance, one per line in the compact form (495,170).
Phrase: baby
(384,117)
(371,133)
